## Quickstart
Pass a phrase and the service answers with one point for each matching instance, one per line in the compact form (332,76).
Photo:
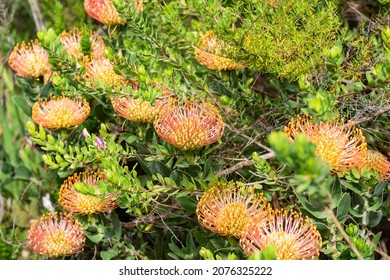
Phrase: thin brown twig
(331,215)
(242,164)
(251,140)
(147,219)
(376,114)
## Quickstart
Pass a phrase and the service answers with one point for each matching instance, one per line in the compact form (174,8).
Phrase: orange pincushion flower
(102,70)
(230,211)
(30,60)
(104,11)
(75,202)
(56,235)
(136,109)
(72,44)
(189,125)
(342,147)
(295,237)
(378,162)
(209,52)
(61,112)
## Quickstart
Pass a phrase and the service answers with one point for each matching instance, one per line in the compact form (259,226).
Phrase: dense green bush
(281,100)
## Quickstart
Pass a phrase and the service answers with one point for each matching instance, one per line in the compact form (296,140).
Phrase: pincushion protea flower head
(75,202)
(61,112)
(188,125)
(102,70)
(30,60)
(136,109)
(104,11)
(209,52)
(72,44)
(56,235)
(378,162)
(229,211)
(295,237)
(342,147)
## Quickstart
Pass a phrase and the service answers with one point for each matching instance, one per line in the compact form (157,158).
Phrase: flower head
(135,109)
(378,162)
(209,52)
(342,147)
(104,11)
(102,70)
(30,60)
(56,235)
(189,125)
(75,202)
(72,44)
(230,211)
(295,237)
(61,112)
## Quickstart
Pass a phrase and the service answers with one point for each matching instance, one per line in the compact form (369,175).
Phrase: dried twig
(244,163)
(374,115)
(251,140)
(36,13)
(147,219)
(331,215)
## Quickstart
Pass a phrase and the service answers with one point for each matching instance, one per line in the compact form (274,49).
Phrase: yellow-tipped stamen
(72,44)
(230,211)
(75,202)
(61,112)
(102,70)
(341,146)
(30,60)
(377,162)
(189,125)
(56,235)
(105,12)
(294,236)
(135,109)
(209,53)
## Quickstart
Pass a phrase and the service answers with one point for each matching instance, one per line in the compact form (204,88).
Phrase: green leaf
(187,203)
(116,225)
(109,254)
(343,207)
(373,218)
(7,141)
(21,102)
(85,188)
(22,173)
(95,238)
(309,207)
(268,253)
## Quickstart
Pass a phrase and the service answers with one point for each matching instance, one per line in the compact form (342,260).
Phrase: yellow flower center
(233,220)
(89,204)
(57,243)
(330,148)
(287,247)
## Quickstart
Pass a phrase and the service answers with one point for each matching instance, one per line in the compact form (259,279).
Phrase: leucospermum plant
(230,211)
(189,125)
(30,60)
(341,146)
(56,235)
(196,130)
(295,237)
(75,202)
(62,112)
